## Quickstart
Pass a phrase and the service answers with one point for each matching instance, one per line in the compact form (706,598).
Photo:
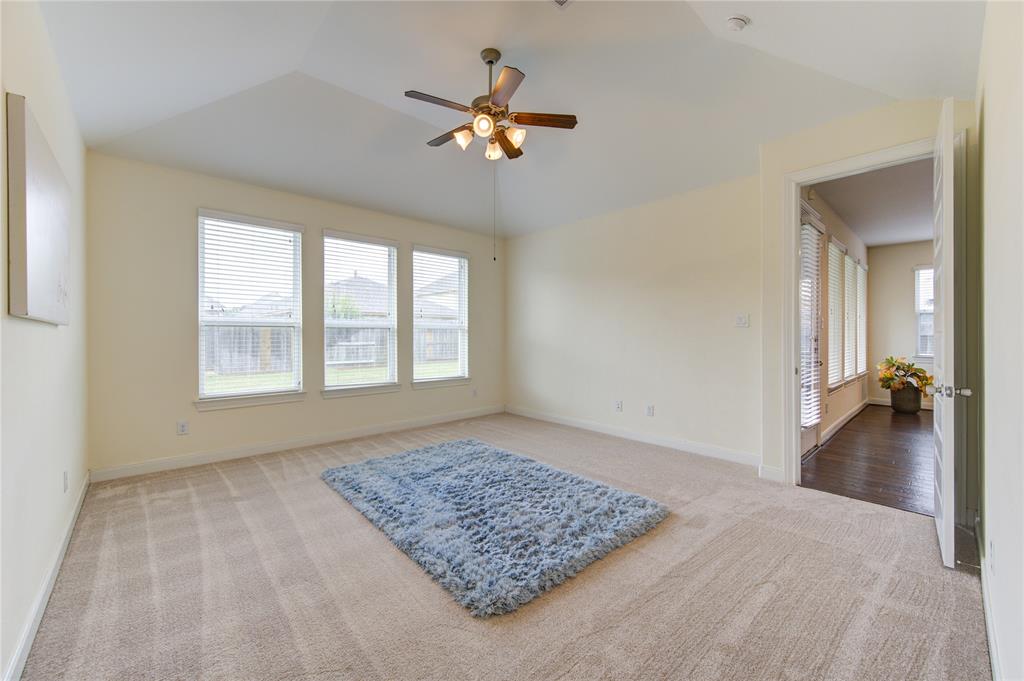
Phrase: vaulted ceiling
(307,97)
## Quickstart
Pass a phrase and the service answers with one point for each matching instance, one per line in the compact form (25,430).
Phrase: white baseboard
(198,458)
(773,473)
(843,420)
(701,448)
(28,634)
(886,402)
(990,626)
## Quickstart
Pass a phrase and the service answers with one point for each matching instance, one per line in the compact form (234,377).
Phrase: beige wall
(881,128)
(43,414)
(1000,112)
(143,331)
(892,315)
(640,306)
(847,399)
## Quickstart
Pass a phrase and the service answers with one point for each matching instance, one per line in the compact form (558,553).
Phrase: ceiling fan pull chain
(494,213)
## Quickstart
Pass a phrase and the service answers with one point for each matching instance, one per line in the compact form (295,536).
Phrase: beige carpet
(255,569)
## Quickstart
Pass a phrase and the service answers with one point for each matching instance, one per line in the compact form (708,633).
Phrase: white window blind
(835,315)
(862,320)
(440,291)
(924,305)
(849,317)
(250,306)
(360,312)
(810,301)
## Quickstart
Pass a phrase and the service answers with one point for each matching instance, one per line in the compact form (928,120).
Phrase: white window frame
(918,312)
(249,398)
(834,312)
(463,323)
(852,326)
(362,388)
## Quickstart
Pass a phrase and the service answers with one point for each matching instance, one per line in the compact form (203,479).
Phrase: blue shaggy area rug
(494,528)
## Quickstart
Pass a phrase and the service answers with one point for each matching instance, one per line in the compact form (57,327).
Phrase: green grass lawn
(217,384)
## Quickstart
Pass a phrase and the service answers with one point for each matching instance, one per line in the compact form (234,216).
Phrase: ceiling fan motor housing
(490,56)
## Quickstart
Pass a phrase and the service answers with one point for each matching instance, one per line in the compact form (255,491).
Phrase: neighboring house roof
(449,283)
(370,297)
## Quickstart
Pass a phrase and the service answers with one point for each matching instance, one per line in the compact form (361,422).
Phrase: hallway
(880,456)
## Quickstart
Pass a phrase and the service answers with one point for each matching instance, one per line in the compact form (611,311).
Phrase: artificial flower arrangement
(906,383)
(896,373)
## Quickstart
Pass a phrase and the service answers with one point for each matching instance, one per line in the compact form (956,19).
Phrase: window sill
(217,403)
(440,382)
(356,390)
(853,379)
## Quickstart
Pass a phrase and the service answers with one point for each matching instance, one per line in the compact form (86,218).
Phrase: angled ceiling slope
(307,97)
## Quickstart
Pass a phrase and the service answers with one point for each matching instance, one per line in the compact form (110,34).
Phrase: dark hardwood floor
(879,456)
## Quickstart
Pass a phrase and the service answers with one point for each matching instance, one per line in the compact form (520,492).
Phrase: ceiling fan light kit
(490,110)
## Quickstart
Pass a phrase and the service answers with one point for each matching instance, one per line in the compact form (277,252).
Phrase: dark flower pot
(906,400)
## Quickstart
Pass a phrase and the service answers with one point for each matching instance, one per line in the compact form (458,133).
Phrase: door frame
(792,182)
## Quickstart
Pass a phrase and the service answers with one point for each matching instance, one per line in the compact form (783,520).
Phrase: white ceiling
(907,50)
(888,206)
(307,97)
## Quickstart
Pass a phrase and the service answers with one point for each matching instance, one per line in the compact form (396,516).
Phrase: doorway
(954,467)
(867,299)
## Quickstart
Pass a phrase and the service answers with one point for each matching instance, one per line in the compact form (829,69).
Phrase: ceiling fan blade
(448,136)
(506,144)
(567,121)
(431,99)
(508,80)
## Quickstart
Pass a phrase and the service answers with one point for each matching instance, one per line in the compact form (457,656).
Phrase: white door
(945,391)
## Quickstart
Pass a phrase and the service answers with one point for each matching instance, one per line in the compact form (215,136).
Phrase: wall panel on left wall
(43,395)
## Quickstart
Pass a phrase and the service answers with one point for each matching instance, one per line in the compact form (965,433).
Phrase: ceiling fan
(491,110)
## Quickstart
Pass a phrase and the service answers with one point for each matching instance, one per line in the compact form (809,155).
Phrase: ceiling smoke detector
(738,22)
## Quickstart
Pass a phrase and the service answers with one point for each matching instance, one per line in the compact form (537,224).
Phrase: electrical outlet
(618,405)
(65,482)
(474,392)
(650,410)
(743,321)
(182,428)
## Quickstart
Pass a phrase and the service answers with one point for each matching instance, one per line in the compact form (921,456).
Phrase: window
(847,316)
(924,305)
(862,320)
(810,300)
(360,315)
(440,292)
(250,306)
(835,314)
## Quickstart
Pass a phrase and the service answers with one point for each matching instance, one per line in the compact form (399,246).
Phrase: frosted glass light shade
(483,125)
(493,151)
(464,137)
(516,136)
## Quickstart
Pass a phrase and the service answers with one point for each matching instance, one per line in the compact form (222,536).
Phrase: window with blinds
(360,312)
(835,314)
(810,301)
(440,297)
(849,317)
(862,320)
(250,306)
(924,305)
